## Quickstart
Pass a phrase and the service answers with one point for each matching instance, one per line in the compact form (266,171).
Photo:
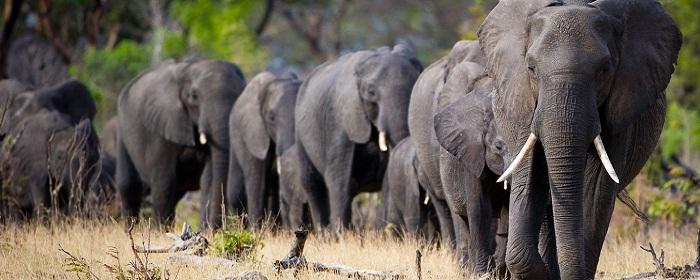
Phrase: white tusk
(505,184)
(277,165)
(600,148)
(519,158)
(426,200)
(202,138)
(382,141)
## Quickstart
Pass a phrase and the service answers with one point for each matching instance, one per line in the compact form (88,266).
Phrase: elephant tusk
(382,141)
(519,158)
(426,200)
(600,148)
(505,184)
(202,138)
(277,166)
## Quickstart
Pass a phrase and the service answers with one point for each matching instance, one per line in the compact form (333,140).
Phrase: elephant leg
(312,184)
(462,234)
(479,217)
(337,178)
(526,201)
(599,202)
(255,189)
(129,184)
(548,244)
(41,196)
(162,179)
(235,187)
(447,231)
(501,242)
(204,184)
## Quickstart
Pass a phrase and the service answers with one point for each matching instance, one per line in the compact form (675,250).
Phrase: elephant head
(71,98)
(571,74)
(265,112)
(195,96)
(377,94)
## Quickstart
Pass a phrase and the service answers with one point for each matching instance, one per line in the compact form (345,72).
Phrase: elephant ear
(648,46)
(248,118)
(503,39)
(164,112)
(353,117)
(459,128)
(408,51)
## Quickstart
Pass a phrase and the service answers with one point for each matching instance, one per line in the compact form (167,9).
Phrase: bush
(236,244)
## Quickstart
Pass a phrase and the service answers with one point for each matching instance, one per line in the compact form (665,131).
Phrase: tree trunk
(11,13)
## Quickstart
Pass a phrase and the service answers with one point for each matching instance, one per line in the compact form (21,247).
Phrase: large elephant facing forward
(580,102)
(172,121)
(350,111)
(262,129)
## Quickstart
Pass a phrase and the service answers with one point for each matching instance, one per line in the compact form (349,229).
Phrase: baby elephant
(405,203)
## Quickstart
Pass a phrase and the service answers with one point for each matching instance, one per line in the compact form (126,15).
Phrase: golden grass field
(31,251)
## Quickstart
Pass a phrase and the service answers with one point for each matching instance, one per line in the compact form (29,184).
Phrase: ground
(31,251)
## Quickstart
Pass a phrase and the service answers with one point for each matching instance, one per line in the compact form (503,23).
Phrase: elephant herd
(511,147)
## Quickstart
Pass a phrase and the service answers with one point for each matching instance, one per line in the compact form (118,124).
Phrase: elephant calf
(460,154)
(405,203)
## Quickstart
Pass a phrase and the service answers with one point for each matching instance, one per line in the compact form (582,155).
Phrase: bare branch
(269,7)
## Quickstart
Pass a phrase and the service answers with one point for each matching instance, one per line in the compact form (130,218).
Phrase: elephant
(53,149)
(108,137)
(580,103)
(294,208)
(350,111)
(261,127)
(173,120)
(35,62)
(405,205)
(459,154)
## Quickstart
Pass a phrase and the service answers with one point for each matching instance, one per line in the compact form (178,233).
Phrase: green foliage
(678,203)
(238,244)
(107,71)
(220,30)
(681,133)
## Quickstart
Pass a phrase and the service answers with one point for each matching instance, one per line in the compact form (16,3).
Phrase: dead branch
(269,7)
(188,242)
(296,260)
(246,275)
(662,272)
(419,255)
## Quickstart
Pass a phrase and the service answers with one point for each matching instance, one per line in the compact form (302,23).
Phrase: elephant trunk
(566,121)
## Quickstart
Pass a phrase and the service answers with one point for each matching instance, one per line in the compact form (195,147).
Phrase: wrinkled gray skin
(459,154)
(403,198)
(341,107)
(53,144)
(163,114)
(294,207)
(108,136)
(566,72)
(262,128)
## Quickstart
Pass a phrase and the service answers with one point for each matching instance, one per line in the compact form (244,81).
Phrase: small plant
(236,244)
(77,265)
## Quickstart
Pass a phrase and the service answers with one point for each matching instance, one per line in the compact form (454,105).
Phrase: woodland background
(108,42)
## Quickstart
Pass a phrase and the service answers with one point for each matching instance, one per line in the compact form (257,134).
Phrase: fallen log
(188,242)
(246,275)
(295,260)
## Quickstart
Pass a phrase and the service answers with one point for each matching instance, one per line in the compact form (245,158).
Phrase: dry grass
(32,252)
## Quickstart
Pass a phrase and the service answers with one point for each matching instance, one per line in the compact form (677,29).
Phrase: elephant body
(459,155)
(173,121)
(580,103)
(348,111)
(405,203)
(261,130)
(108,136)
(53,150)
